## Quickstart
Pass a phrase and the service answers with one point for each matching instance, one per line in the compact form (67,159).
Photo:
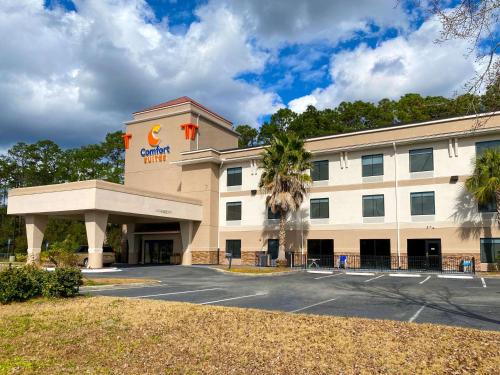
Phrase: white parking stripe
(322,277)
(121,287)
(374,278)
(174,293)
(319,271)
(415,316)
(427,278)
(483,282)
(454,277)
(231,299)
(404,275)
(360,273)
(316,304)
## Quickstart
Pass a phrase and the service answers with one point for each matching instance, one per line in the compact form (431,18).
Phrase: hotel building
(190,195)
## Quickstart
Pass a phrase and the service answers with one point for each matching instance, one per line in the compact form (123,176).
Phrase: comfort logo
(153,138)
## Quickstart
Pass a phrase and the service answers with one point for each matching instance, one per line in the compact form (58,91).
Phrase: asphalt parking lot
(472,303)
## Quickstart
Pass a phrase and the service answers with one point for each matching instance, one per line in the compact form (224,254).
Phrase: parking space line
(316,304)
(125,287)
(483,282)
(322,277)
(415,316)
(319,271)
(360,273)
(374,278)
(454,277)
(427,278)
(174,293)
(233,298)
(404,275)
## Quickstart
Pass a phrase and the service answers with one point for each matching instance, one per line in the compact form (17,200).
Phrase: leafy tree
(284,179)
(248,135)
(484,183)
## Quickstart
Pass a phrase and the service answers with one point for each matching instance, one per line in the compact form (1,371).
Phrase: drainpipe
(396,194)
(218,210)
(197,133)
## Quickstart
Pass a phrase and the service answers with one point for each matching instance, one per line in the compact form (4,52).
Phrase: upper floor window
(234,176)
(234,248)
(320,208)
(487,145)
(373,205)
(421,160)
(271,215)
(422,203)
(233,211)
(372,165)
(319,170)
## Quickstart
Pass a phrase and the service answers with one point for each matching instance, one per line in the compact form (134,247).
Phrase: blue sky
(72,71)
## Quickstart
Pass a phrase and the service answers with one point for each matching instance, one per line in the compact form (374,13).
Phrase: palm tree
(284,179)
(484,184)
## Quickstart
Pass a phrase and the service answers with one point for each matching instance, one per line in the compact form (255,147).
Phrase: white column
(133,253)
(95,224)
(35,227)
(186,236)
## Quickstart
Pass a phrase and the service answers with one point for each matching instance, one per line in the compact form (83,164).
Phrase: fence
(451,264)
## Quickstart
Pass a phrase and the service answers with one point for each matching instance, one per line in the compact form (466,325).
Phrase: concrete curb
(252,274)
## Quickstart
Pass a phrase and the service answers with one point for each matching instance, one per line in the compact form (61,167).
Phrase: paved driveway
(473,303)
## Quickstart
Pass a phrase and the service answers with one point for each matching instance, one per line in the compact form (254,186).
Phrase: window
(421,160)
(319,170)
(490,249)
(273,248)
(373,165)
(373,205)
(234,176)
(320,208)
(488,145)
(422,203)
(490,206)
(271,216)
(234,247)
(233,211)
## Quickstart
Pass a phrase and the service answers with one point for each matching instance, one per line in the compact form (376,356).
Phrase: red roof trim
(182,100)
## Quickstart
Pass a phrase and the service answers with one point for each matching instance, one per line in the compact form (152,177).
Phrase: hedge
(23,283)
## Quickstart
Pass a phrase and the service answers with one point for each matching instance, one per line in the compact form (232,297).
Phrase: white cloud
(73,76)
(411,63)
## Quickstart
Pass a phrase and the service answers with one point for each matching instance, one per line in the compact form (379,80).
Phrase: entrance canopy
(98,202)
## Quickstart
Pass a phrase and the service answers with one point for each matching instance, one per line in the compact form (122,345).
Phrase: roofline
(192,102)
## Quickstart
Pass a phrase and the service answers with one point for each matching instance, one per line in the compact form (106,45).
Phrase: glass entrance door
(158,251)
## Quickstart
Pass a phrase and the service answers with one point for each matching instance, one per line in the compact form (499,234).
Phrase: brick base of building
(204,257)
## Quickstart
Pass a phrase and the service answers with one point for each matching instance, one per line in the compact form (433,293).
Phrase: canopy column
(95,224)
(35,228)
(187,237)
(133,249)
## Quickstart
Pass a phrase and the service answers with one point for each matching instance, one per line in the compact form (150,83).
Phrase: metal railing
(443,264)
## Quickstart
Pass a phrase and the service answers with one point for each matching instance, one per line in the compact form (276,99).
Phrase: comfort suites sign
(156,153)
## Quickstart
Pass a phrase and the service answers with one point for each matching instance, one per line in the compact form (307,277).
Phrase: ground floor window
(158,251)
(322,251)
(234,248)
(273,246)
(375,253)
(490,250)
(424,254)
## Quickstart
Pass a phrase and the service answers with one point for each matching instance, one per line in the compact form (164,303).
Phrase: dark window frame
(231,249)
(415,195)
(234,176)
(318,173)
(231,217)
(485,145)
(322,202)
(271,216)
(373,197)
(277,242)
(369,170)
(420,151)
(494,249)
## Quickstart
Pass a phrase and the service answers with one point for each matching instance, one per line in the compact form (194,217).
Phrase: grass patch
(256,270)
(115,281)
(114,335)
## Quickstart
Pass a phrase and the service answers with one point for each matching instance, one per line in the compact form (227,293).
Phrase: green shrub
(63,282)
(20,257)
(62,257)
(22,283)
